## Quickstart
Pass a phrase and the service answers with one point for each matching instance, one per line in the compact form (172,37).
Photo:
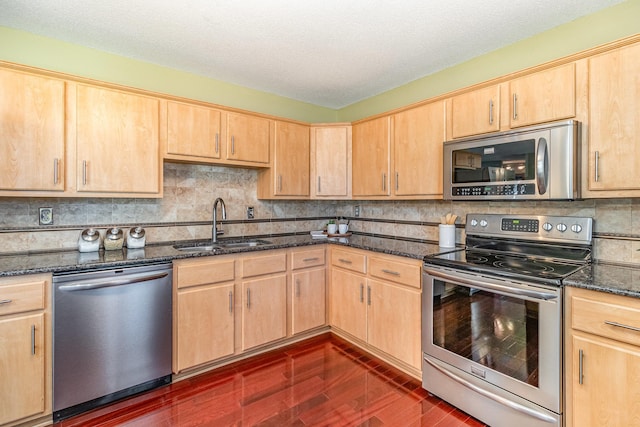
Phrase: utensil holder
(447,235)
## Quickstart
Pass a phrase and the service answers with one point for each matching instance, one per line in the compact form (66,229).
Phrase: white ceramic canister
(136,238)
(89,240)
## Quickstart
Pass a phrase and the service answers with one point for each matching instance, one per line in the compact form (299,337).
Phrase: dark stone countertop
(68,261)
(613,279)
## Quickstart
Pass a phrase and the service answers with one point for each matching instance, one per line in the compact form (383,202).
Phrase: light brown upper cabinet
(544,96)
(614,123)
(288,177)
(475,112)
(331,161)
(32,133)
(193,131)
(248,138)
(117,143)
(418,136)
(371,157)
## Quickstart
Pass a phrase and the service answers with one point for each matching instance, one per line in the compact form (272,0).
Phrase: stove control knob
(547,226)
(474,222)
(483,223)
(561,227)
(576,228)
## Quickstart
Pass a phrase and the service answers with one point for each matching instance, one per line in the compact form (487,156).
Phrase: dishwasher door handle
(109,282)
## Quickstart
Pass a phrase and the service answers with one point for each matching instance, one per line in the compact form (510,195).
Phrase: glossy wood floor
(324,381)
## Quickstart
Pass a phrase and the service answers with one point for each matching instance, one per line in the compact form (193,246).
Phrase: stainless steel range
(492,317)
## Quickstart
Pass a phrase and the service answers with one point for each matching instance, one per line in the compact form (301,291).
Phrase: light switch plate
(46,216)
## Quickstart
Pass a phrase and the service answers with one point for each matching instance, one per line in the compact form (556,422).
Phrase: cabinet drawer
(307,258)
(256,266)
(395,271)
(204,272)
(350,260)
(614,317)
(19,297)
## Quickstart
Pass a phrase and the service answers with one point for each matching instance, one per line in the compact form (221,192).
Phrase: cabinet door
(22,366)
(475,112)
(348,307)
(371,158)
(291,160)
(264,315)
(248,138)
(193,131)
(331,157)
(118,149)
(544,96)
(418,139)
(204,325)
(608,392)
(32,132)
(394,321)
(308,300)
(614,120)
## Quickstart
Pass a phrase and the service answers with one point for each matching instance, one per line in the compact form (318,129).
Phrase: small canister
(113,239)
(89,240)
(136,238)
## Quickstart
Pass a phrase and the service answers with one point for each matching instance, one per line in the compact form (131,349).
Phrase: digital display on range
(526,225)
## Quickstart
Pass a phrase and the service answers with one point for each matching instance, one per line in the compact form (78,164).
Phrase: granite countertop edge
(614,279)
(69,261)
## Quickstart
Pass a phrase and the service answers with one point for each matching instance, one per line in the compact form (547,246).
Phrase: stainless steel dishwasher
(112,336)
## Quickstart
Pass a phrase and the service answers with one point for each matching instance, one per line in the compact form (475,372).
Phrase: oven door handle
(502,400)
(478,284)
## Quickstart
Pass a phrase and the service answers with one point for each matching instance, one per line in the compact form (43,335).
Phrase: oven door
(496,341)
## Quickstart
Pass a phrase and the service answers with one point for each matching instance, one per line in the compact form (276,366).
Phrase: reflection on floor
(323,381)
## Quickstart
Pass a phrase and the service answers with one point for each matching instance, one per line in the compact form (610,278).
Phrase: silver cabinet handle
(506,402)
(233,145)
(345,261)
(393,273)
(581,367)
(248,297)
(84,172)
(597,172)
(217,143)
(311,259)
(515,106)
(384,181)
(230,301)
(319,185)
(55,171)
(5,301)
(491,112)
(620,325)
(279,182)
(397,181)
(298,288)
(33,340)
(361,292)
(368,295)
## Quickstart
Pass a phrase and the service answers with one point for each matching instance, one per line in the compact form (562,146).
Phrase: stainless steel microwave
(534,163)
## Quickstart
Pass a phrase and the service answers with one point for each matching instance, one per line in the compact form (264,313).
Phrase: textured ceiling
(330,53)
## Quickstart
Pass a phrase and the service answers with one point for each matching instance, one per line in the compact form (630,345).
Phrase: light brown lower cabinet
(308,289)
(376,299)
(25,349)
(264,310)
(602,360)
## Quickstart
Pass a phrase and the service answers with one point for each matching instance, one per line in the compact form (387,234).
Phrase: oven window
(511,161)
(497,331)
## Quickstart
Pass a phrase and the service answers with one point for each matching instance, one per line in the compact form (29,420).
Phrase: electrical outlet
(250,212)
(356,210)
(45,216)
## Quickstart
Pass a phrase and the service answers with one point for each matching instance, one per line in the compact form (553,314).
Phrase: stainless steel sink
(223,245)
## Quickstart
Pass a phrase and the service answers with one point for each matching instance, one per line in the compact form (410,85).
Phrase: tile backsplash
(185,211)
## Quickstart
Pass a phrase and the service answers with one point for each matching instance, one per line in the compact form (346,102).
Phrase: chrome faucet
(214,231)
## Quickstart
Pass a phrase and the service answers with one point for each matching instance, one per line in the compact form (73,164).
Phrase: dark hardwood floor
(323,381)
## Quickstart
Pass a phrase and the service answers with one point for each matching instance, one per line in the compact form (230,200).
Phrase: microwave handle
(542,166)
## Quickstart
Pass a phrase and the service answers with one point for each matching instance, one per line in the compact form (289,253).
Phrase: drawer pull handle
(33,340)
(311,259)
(393,273)
(581,367)
(361,292)
(230,301)
(620,325)
(5,301)
(248,298)
(345,261)
(368,295)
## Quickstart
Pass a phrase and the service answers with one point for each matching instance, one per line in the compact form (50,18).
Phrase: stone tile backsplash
(184,213)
